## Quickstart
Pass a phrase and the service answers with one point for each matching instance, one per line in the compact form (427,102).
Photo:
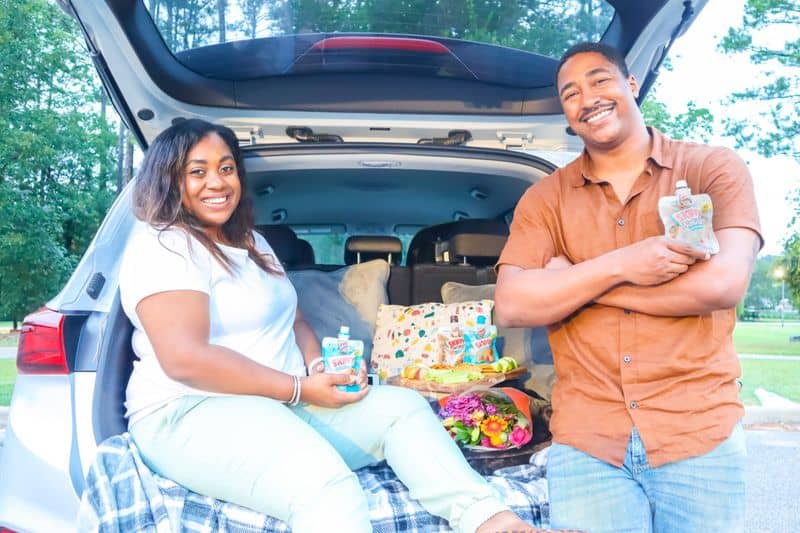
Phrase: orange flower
(493,426)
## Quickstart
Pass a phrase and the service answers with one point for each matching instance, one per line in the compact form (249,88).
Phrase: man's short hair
(609,52)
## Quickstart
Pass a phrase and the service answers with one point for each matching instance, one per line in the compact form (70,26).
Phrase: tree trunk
(170,24)
(120,156)
(222,5)
(128,158)
(14,322)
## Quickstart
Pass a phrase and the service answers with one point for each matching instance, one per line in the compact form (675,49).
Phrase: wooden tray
(431,388)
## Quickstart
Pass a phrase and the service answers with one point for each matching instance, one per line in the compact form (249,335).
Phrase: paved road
(773,489)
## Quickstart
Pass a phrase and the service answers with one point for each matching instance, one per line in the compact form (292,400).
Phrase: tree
(56,153)
(779,131)
(33,263)
(542,26)
(764,290)
(791,262)
(694,124)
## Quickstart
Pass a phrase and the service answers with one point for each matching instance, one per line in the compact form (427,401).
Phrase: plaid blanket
(123,495)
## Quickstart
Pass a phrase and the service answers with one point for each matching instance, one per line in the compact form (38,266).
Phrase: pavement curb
(759,414)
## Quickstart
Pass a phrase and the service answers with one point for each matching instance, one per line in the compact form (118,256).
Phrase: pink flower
(491,409)
(518,436)
(486,442)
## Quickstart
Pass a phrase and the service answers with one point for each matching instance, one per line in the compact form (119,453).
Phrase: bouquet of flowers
(498,418)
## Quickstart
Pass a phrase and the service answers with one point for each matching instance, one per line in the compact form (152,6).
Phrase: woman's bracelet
(299,390)
(296,392)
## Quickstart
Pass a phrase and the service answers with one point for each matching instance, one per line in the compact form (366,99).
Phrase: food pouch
(341,355)
(688,218)
(452,340)
(479,344)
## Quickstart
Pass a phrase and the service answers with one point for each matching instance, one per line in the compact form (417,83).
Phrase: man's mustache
(594,109)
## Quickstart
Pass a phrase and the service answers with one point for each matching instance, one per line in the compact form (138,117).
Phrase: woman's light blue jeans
(705,493)
(295,463)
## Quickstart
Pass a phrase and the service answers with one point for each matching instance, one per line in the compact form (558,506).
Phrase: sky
(706,76)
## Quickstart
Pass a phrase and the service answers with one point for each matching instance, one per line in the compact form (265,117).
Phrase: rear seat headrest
(305,252)
(358,249)
(476,248)
(478,241)
(290,250)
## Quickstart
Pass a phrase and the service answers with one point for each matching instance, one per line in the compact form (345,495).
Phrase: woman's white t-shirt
(250,311)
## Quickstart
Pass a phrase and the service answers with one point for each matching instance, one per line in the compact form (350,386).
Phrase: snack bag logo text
(691,218)
(345,347)
(456,343)
(342,361)
(481,344)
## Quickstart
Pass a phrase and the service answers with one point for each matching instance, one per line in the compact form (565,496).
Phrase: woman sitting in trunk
(221,399)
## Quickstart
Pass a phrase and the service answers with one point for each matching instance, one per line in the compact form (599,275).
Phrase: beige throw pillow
(519,342)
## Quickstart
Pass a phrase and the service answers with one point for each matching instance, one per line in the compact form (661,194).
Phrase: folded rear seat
(358,249)
(464,251)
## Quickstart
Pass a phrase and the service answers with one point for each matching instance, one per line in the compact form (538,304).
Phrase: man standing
(646,411)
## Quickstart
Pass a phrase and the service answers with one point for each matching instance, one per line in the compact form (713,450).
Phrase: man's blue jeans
(705,493)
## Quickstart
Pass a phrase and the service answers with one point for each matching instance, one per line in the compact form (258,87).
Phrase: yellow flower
(477,416)
(493,426)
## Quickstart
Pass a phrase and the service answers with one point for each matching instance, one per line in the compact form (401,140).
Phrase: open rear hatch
(372,71)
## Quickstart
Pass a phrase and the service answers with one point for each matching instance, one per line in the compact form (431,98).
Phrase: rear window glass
(328,243)
(296,36)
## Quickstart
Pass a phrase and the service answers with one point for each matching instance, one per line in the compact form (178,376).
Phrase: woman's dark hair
(159,185)
(609,52)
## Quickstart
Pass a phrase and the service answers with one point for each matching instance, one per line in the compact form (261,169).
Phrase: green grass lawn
(8,374)
(780,377)
(766,338)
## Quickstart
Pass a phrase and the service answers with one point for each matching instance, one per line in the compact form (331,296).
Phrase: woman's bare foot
(509,522)
(506,522)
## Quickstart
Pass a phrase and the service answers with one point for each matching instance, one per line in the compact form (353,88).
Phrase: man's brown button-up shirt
(673,378)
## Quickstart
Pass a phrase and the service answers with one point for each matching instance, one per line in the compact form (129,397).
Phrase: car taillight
(41,344)
(381,43)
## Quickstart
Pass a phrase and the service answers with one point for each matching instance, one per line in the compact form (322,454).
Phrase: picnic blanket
(122,494)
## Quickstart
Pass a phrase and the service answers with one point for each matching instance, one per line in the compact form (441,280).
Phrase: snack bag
(688,218)
(452,341)
(341,355)
(479,343)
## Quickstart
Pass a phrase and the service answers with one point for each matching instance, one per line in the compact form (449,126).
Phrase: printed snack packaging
(452,341)
(688,218)
(479,343)
(341,355)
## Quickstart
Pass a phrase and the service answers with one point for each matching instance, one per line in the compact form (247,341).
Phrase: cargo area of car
(457,201)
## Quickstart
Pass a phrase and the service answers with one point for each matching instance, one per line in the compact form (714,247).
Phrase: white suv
(354,117)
